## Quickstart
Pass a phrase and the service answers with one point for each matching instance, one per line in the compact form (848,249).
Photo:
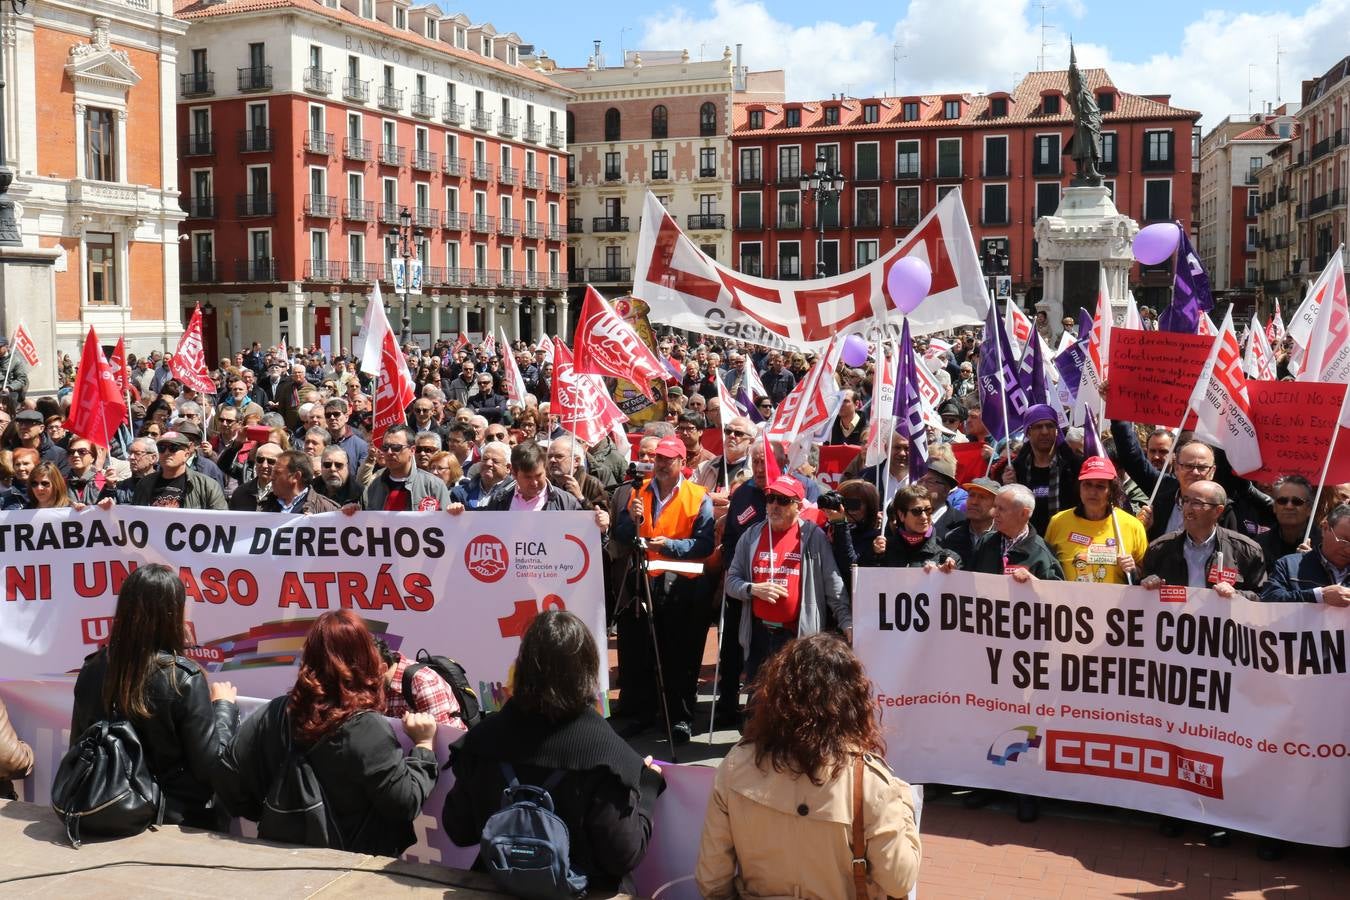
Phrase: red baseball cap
(1097,468)
(671,448)
(787,486)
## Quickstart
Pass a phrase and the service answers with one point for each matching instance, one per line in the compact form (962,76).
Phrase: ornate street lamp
(823,186)
(406,234)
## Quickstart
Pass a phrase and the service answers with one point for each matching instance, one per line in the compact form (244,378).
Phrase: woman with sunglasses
(862,513)
(909,541)
(48,487)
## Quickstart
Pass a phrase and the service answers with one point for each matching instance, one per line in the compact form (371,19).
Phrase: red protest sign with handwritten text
(1294,421)
(1152,374)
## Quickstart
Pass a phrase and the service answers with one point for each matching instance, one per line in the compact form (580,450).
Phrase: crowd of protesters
(773,544)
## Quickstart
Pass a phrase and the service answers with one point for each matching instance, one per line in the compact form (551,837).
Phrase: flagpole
(10,365)
(1002,397)
(1326,463)
(1120,544)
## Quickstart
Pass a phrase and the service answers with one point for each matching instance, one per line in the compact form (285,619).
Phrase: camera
(830,501)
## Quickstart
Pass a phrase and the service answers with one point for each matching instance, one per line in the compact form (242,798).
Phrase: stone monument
(1087,236)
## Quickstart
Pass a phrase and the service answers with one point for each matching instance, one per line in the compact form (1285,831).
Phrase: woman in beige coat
(16,757)
(780,820)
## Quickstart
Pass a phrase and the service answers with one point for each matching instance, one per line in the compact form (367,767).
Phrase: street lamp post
(824,185)
(405,234)
(9,228)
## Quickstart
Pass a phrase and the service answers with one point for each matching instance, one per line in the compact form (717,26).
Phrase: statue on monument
(1086,144)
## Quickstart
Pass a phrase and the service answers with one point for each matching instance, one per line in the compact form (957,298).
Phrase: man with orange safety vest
(673,517)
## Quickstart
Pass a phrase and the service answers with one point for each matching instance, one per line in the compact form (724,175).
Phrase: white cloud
(986,45)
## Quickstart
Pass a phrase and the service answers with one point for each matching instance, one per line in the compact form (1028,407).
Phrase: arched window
(707,120)
(611,124)
(659,120)
(571,128)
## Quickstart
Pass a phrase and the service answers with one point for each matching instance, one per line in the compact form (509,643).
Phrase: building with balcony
(1232,156)
(1322,169)
(343,115)
(658,122)
(900,155)
(88,113)
(1276,224)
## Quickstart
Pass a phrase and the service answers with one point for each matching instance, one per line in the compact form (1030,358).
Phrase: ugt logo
(485,558)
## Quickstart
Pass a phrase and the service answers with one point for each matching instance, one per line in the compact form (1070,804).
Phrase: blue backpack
(526,847)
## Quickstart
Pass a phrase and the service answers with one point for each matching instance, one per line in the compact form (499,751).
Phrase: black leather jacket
(184,737)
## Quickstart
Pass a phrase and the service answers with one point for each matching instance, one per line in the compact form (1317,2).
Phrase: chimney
(599,57)
(739,74)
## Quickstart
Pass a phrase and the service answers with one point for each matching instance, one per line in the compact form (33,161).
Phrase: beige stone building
(1276,222)
(660,122)
(1322,170)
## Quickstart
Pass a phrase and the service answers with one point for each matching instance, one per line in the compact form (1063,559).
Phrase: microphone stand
(647,608)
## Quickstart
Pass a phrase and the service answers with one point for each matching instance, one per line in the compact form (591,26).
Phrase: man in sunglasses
(262,459)
(335,479)
(1317,576)
(401,486)
(175,485)
(720,472)
(1293,509)
(336,414)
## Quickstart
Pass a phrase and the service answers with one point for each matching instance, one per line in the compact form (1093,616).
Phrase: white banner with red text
(463,586)
(688,289)
(1176,702)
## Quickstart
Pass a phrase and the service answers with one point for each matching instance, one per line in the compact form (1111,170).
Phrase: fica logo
(486,559)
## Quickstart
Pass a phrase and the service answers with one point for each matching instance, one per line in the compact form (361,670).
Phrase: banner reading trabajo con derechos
(1206,709)
(464,586)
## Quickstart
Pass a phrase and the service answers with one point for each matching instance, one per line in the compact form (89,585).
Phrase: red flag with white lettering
(607,345)
(1222,406)
(580,401)
(96,405)
(23,343)
(188,363)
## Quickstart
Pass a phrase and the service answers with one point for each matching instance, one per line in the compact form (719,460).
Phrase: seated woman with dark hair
(549,724)
(781,816)
(142,675)
(909,540)
(335,714)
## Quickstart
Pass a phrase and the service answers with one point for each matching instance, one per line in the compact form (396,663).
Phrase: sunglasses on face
(394,448)
(780,500)
(853,503)
(919,511)
(334,464)
(1291,501)
(80,451)
(42,484)
(733,433)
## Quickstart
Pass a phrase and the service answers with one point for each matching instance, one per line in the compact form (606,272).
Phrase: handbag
(104,786)
(858,843)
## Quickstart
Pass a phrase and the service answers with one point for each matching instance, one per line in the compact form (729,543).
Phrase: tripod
(646,607)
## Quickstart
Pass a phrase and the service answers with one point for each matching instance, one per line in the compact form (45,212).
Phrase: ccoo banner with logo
(1176,702)
(464,586)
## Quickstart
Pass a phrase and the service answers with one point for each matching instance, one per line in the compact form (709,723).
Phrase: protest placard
(1294,422)
(1104,694)
(1152,374)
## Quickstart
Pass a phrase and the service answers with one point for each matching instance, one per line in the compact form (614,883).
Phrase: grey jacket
(819,577)
(420,484)
(201,493)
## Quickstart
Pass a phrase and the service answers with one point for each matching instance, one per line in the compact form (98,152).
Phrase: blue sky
(1205,55)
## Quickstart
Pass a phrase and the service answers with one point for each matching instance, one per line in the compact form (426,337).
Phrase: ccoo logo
(485,558)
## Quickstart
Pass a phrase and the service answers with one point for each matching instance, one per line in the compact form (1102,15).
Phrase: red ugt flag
(607,345)
(188,363)
(23,343)
(580,401)
(96,405)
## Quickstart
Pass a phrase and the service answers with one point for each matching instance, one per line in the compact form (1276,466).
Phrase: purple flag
(1092,441)
(1190,292)
(909,408)
(1031,373)
(1000,387)
(1070,361)
(748,404)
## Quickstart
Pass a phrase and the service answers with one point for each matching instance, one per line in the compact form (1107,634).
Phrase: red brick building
(308,126)
(900,155)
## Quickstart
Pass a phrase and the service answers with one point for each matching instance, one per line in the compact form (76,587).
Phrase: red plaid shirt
(431,694)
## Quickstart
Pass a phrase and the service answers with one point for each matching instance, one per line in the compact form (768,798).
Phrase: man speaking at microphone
(675,518)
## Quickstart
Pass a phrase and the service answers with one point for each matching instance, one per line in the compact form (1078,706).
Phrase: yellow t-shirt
(1087,549)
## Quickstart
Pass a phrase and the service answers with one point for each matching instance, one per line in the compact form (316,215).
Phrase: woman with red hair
(334,716)
(806,790)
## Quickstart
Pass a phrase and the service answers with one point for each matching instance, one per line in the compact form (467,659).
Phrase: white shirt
(520,504)
(1197,557)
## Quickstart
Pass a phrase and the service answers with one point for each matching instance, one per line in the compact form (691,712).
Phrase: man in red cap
(784,570)
(1094,541)
(675,518)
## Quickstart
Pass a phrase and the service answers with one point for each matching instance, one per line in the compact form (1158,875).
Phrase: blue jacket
(1296,575)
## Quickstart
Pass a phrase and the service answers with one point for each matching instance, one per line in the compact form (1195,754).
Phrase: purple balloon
(854,353)
(1156,243)
(908,283)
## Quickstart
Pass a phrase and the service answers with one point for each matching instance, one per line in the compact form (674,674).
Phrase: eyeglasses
(142,453)
(42,484)
(780,500)
(334,464)
(919,511)
(852,503)
(80,451)
(264,461)
(1197,502)
(1291,501)
(169,448)
(427,450)
(394,448)
(735,433)
(224,421)
(1195,467)
(332,414)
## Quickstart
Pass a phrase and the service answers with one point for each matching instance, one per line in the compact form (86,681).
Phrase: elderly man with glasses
(1320,575)
(1202,553)
(487,402)
(252,490)
(142,456)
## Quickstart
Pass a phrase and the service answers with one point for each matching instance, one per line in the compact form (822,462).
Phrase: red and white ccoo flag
(23,343)
(1259,361)
(188,363)
(1328,351)
(607,345)
(382,357)
(97,407)
(514,381)
(1221,404)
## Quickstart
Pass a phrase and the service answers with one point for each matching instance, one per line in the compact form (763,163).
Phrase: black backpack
(525,846)
(470,710)
(295,810)
(103,785)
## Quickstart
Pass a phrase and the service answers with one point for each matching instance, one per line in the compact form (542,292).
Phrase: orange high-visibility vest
(676,520)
